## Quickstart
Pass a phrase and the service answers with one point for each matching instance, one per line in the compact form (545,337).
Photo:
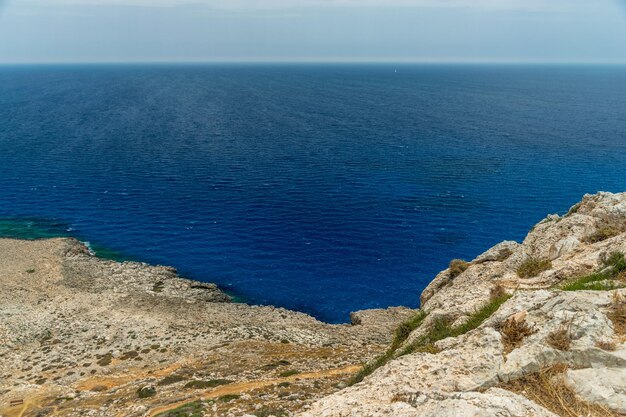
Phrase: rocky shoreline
(86,336)
(525,329)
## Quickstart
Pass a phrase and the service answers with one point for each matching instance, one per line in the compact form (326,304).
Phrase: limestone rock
(605,386)
(498,253)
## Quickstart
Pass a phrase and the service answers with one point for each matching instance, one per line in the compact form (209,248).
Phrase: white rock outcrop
(467,376)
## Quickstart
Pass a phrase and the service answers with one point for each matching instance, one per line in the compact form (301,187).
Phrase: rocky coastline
(526,329)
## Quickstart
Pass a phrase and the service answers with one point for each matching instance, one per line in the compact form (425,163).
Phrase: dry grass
(498,291)
(548,389)
(603,233)
(513,332)
(560,339)
(533,266)
(457,267)
(607,345)
(617,313)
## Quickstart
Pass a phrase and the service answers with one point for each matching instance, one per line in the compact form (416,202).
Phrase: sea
(323,188)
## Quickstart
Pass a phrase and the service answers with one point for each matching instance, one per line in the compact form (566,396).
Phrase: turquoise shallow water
(320,188)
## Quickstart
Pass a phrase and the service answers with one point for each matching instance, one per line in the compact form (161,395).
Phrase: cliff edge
(530,329)
(536,328)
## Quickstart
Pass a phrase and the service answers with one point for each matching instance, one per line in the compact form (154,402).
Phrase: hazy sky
(310,30)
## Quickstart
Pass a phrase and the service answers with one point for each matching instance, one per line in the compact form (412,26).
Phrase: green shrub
(533,266)
(288,373)
(207,384)
(404,330)
(146,392)
(158,286)
(607,278)
(442,329)
(228,398)
(193,409)
(401,334)
(171,379)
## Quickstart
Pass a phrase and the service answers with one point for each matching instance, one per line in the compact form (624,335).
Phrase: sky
(551,31)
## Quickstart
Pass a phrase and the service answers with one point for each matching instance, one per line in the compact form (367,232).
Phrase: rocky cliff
(526,329)
(530,329)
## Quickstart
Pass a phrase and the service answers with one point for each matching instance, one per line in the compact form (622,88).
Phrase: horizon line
(318,61)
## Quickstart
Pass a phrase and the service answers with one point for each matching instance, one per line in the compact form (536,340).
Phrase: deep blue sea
(321,188)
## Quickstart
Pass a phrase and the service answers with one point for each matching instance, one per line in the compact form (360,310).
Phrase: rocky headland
(526,329)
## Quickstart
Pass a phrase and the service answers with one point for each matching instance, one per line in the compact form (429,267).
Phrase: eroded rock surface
(85,336)
(81,336)
(576,331)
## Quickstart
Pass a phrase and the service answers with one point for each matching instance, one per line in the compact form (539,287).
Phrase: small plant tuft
(607,345)
(146,392)
(601,234)
(158,286)
(513,332)
(533,266)
(617,313)
(561,338)
(497,292)
(457,267)
(228,398)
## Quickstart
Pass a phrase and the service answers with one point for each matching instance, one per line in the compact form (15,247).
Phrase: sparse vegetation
(440,330)
(574,209)
(267,412)
(171,379)
(611,275)
(132,354)
(404,330)
(549,389)
(158,286)
(498,291)
(617,313)
(228,398)
(105,360)
(607,345)
(212,383)
(513,332)
(402,333)
(193,409)
(560,338)
(603,233)
(288,373)
(457,267)
(533,266)
(146,392)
